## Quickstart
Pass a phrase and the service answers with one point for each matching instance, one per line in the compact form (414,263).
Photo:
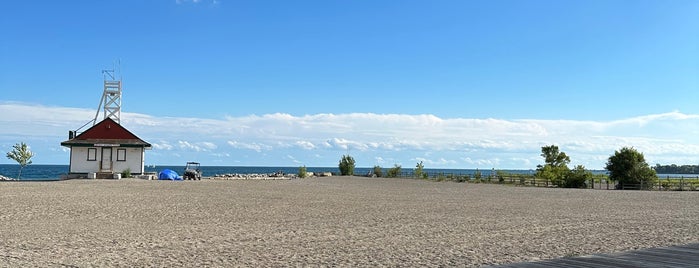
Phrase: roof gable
(107,129)
(107,132)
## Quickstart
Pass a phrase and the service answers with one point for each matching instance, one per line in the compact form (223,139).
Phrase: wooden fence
(662,184)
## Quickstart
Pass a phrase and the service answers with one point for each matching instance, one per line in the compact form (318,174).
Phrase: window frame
(119,155)
(92,152)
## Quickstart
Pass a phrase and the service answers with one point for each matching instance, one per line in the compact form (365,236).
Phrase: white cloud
(392,138)
(307,145)
(196,146)
(163,145)
(379,160)
(438,162)
(249,146)
(293,159)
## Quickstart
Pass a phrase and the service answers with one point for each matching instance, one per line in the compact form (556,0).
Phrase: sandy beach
(334,221)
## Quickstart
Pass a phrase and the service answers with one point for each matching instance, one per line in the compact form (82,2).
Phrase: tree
(552,156)
(628,167)
(346,165)
(419,171)
(21,153)
(555,168)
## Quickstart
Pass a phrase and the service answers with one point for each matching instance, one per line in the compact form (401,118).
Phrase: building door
(106,159)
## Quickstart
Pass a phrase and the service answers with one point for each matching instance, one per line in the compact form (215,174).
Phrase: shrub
(577,178)
(477,175)
(394,171)
(461,178)
(378,171)
(346,165)
(302,172)
(501,175)
(126,173)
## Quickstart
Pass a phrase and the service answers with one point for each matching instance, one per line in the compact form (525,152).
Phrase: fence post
(681,183)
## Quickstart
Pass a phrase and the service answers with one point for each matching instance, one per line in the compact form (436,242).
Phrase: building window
(91,154)
(121,154)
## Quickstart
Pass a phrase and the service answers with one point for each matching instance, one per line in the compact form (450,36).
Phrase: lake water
(54,172)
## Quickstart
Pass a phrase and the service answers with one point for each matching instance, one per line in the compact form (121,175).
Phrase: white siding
(134,160)
(79,163)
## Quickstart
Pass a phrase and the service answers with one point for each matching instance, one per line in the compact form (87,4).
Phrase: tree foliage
(378,171)
(578,177)
(555,168)
(394,171)
(629,168)
(675,169)
(552,156)
(556,171)
(302,172)
(346,165)
(21,153)
(419,171)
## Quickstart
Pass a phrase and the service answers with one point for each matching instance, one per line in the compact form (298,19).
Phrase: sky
(455,84)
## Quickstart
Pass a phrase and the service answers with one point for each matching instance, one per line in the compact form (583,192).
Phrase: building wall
(121,158)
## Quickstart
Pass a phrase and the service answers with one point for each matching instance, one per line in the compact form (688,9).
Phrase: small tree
(394,171)
(378,171)
(555,168)
(346,165)
(419,171)
(302,172)
(629,168)
(21,153)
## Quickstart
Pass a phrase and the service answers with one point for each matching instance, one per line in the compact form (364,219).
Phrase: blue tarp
(168,174)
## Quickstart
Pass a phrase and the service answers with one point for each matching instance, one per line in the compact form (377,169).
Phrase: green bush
(126,173)
(302,172)
(346,165)
(378,171)
(463,178)
(577,178)
(394,172)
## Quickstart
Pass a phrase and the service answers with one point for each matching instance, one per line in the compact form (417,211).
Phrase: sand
(335,221)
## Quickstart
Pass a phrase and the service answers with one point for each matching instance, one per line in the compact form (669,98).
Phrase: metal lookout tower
(110,104)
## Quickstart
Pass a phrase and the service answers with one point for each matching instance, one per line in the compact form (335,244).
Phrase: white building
(105,149)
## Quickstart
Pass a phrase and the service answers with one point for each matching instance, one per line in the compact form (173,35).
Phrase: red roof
(106,132)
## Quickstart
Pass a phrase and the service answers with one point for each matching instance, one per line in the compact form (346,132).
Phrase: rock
(273,176)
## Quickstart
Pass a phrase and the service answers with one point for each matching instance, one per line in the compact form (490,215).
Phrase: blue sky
(461,84)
